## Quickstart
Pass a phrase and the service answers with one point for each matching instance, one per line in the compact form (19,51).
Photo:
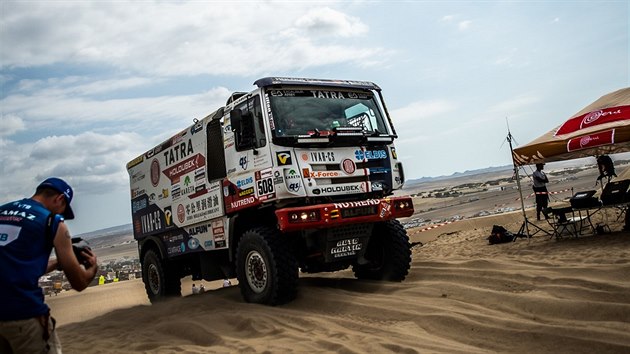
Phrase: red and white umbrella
(602,127)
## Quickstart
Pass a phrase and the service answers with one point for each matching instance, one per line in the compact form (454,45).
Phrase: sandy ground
(536,295)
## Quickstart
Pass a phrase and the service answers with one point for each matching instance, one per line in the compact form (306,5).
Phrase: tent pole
(526,222)
(518,185)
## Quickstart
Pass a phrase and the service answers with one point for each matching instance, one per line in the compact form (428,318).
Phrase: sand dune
(462,296)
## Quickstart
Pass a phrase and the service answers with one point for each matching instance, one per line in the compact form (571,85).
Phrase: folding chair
(563,225)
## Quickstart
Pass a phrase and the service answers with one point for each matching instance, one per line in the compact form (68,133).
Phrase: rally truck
(296,175)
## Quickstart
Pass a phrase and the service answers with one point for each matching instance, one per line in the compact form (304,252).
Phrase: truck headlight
(403,205)
(304,216)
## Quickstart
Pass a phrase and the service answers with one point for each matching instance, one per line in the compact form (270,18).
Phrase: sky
(87,86)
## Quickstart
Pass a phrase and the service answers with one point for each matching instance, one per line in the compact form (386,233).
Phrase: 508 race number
(265,186)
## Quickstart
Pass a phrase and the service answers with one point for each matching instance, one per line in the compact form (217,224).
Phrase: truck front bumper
(336,214)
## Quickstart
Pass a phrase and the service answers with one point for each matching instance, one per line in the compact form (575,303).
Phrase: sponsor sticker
(168,216)
(370,154)
(155,172)
(323,174)
(322,156)
(193,243)
(246,192)
(178,152)
(348,166)
(243,162)
(284,158)
(135,161)
(181,213)
(341,189)
(292,180)
(242,183)
(345,248)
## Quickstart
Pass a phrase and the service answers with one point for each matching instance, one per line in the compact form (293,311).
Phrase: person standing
(29,229)
(540,189)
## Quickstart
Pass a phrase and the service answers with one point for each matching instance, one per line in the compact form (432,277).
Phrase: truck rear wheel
(160,282)
(388,254)
(267,272)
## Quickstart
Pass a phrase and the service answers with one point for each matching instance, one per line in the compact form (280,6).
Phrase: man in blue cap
(29,229)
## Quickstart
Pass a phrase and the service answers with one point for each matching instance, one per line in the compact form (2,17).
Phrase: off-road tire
(388,253)
(160,280)
(266,270)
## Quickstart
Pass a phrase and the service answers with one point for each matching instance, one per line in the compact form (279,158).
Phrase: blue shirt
(26,242)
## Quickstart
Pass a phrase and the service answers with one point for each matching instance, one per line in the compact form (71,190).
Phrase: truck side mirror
(401,172)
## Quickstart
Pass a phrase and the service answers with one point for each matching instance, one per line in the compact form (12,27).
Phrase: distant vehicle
(56,289)
(296,175)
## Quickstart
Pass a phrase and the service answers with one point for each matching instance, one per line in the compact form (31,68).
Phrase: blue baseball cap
(64,188)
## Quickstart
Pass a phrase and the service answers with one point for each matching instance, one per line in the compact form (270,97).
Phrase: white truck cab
(295,175)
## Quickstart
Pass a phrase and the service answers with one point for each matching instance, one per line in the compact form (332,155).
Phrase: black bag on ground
(500,235)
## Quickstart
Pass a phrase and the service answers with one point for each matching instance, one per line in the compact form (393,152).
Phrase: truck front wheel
(160,282)
(388,254)
(267,272)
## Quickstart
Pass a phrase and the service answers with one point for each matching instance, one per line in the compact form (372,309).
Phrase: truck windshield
(301,112)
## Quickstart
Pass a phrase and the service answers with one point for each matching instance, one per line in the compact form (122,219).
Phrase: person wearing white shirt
(540,188)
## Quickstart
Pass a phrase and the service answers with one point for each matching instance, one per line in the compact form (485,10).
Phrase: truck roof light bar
(384,138)
(270,81)
(350,134)
(308,139)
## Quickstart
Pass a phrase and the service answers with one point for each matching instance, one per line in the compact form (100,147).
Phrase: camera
(78,245)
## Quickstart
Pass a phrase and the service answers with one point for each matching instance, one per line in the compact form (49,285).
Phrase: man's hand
(78,276)
(88,258)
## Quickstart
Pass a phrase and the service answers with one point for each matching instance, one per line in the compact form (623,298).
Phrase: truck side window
(257,131)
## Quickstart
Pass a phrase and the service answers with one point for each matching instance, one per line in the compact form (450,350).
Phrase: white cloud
(10,124)
(181,38)
(112,85)
(82,85)
(62,108)
(464,25)
(507,58)
(448,18)
(515,105)
(514,58)
(328,22)
(420,121)
(89,161)
(420,110)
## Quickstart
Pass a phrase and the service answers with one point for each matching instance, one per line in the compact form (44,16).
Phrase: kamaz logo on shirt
(18,213)
(370,155)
